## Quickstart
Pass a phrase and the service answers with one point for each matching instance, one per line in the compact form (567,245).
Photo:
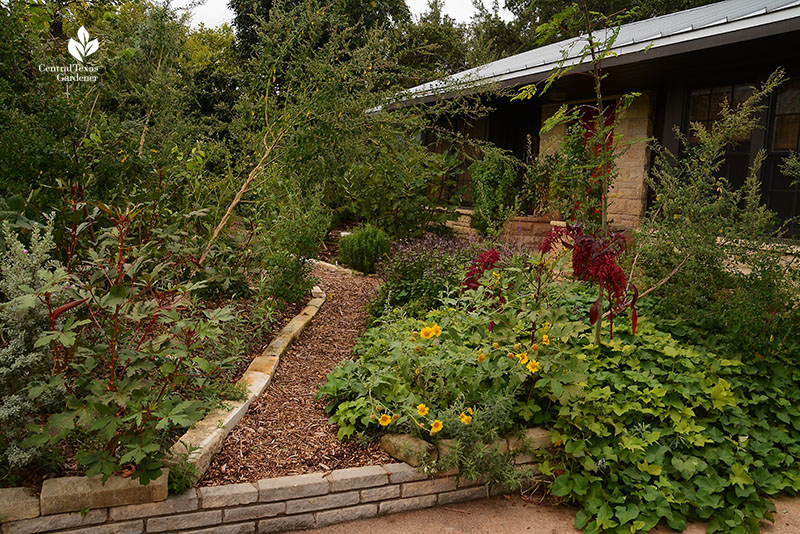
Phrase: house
(683,64)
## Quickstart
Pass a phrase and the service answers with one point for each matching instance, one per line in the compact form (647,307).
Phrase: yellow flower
(533,366)
(510,355)
(522,357)
(464,418)
(437,330)
(436,426)
(495,345)
(426,333)
(481,357)
(124,159)
(414,334)
(534,347)
(518,346)
(546,326)
(422,410)
(395,417)
(545,339)
(469,411)
(385,419)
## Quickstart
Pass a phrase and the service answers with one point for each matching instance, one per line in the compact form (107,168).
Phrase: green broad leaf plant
(127,353)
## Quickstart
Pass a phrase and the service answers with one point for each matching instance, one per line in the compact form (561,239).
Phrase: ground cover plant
(658,426)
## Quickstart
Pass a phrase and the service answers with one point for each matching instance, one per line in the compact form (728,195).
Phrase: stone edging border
(70,494)
(336,267)
(285,503)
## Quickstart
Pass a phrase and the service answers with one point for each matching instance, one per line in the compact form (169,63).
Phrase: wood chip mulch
(286,431)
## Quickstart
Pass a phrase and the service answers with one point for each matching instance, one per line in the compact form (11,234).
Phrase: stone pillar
(628,196)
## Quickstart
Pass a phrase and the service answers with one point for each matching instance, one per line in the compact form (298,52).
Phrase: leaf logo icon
(83,46)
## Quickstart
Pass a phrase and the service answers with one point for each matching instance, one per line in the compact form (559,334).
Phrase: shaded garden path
(286,431)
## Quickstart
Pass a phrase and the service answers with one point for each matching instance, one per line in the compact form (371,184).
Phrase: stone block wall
(271,505)
(628,197)
(525,230)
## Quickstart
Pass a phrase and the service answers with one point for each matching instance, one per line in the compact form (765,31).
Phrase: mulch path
(286,431)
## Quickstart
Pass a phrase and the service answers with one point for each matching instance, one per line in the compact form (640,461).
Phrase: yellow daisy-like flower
(522,357)
(545,339)
(534,347)
(385,419)
(533,366)
(437,330)
(469,411)
(422,410)
(464,418)
(436,426)
(481,357)
(426,333)
(495,345)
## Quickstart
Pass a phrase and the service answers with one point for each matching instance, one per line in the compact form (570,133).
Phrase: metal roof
(656,36)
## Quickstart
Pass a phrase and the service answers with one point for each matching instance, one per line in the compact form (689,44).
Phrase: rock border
(284,503)
(62,495)
(337,267)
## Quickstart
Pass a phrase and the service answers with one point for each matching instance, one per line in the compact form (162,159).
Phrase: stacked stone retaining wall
(271,505)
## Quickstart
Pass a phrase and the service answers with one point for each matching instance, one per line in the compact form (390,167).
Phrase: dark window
(704,108)
(783,136)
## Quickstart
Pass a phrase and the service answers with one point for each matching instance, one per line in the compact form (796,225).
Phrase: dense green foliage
(494,189)
(721,243)
(669,424)
(21,360)
(364,248)
(418,271)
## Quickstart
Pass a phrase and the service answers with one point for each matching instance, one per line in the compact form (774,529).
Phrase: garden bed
(286,430)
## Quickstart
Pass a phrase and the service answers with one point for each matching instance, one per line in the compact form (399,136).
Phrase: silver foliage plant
(27,271)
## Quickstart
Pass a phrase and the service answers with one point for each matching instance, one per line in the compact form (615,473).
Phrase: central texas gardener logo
(83,46)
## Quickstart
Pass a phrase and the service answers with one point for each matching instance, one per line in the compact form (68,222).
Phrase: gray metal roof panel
(696,23)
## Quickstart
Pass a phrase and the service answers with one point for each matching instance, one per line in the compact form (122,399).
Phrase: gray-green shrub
(21,362)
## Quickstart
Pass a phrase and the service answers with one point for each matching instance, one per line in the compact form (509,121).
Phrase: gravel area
(286,431)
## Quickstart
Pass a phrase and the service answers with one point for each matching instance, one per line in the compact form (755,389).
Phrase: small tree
(588,160)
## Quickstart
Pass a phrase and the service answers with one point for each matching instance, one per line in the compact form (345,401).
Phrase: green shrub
(719,241)
(494,192)
(362,249)
(134,369)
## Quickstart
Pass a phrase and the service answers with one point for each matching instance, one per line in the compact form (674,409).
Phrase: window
(784,136)
(704,108)
(786,127)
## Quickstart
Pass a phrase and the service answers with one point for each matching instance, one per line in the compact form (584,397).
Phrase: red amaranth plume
(594,259)
(480,265)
